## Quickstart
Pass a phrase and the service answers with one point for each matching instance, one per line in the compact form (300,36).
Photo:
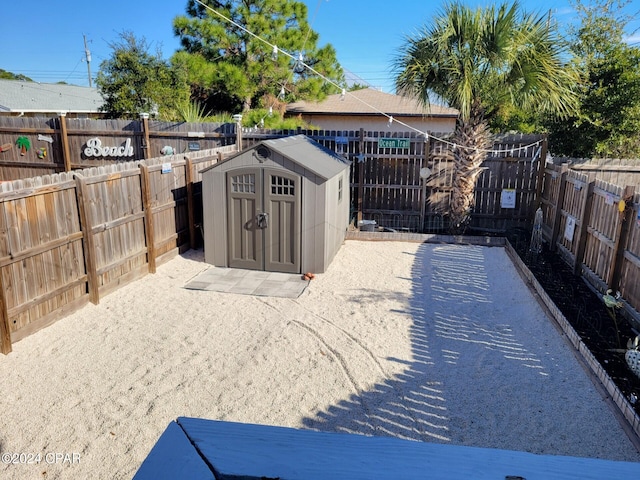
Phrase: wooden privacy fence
(595,227)
(62,144)
(70,238)
(611,170)
(386,181)
(387,186)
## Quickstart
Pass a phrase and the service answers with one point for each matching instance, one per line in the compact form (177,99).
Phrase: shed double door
(263,208)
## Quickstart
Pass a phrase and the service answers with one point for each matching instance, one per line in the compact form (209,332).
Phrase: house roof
(369,101)
(19,96)
(303,151)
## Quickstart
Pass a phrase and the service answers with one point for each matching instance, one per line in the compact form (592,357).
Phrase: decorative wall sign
(194,146)
(94,148)
(570,228)
(342,141)
(23,144)
(508,198)
(166,168)
(608,199)
(5,147)
(167,150)
(45,138)
(41,153)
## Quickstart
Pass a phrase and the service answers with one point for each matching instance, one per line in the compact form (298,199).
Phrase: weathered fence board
(629,285)
(604,243)
(611,170)
(66,142)
(73,237)
(386,185)
(41,255)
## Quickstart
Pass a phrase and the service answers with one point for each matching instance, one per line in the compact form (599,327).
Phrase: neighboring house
(370,109)
(20,98)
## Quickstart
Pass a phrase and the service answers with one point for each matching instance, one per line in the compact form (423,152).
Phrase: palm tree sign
(478,61)
(23,144)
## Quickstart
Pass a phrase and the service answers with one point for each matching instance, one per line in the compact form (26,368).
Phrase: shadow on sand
(449,284)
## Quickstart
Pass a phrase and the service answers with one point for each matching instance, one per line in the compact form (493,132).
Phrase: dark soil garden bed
(585,311)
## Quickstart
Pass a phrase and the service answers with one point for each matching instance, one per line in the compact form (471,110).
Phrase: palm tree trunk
(472,139)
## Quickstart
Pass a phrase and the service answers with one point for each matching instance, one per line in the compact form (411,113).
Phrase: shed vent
(263,153)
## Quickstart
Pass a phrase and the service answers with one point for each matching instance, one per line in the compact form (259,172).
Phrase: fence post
(622,232)
(238,120)
(5,331)
(190,214)
(87,240)
(423,180)
(146,143)
(542,165)
(587,202)
(564,168)
(360,175)
(64,137)
(148,217)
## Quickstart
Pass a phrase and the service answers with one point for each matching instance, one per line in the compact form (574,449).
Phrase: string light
(299,65)
(299,62)
(343,94)
(274,54)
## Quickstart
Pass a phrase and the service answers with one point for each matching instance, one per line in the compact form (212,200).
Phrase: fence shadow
(460,339)
(411,405)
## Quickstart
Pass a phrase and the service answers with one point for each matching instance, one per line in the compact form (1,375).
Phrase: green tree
(357,86)
(6,75)
(232,69)
(479,61)
(134,81)
(608,121)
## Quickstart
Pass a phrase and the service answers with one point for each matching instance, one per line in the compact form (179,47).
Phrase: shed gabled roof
(303,151)
(369,101)
(20,96)
(309,154)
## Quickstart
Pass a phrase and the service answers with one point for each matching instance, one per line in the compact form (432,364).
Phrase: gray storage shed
(279,206)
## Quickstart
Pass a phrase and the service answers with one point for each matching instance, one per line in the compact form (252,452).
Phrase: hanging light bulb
(282,92)
(270,111)
(274,54)
(390,122)
(343,94)
(298,67)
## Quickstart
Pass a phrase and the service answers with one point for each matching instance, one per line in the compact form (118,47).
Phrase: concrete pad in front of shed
(249,282)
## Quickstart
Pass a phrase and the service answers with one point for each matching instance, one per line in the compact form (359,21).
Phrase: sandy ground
(437,343)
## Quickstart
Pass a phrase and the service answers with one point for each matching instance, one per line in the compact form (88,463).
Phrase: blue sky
(44,40)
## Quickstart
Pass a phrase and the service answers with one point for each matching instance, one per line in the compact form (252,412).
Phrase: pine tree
(232,69)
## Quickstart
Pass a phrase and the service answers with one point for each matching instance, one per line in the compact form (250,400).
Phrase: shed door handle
(263,220)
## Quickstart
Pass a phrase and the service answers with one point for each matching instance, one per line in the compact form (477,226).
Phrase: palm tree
(477,61)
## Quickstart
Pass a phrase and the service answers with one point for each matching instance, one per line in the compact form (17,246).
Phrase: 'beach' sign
(94,148)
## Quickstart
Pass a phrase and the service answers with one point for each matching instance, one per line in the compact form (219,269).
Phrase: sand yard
(437,343)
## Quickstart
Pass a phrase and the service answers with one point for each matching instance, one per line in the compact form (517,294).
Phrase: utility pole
(87,53)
